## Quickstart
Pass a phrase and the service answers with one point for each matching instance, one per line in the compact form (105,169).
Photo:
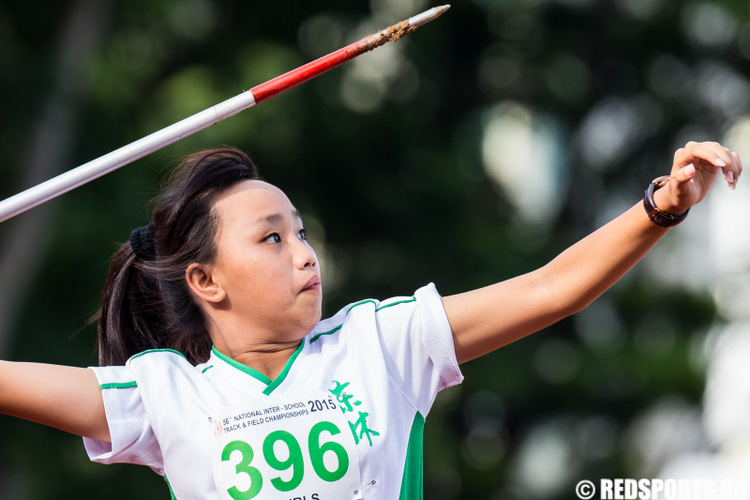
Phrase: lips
(312,284)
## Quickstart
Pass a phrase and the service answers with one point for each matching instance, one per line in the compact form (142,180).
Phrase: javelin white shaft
(78,176)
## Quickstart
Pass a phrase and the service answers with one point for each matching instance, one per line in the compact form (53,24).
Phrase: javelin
(94,169)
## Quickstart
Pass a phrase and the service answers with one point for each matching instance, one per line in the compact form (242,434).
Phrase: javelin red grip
(292,78)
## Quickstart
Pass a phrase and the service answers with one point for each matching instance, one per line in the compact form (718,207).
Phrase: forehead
(252,200)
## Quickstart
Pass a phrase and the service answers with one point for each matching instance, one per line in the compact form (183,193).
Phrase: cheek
(240,275)
(257,279)
(250,274)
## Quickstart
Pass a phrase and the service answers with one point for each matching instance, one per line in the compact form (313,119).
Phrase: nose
(304,255)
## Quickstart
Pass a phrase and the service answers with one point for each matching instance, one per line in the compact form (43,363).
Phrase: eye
(273,238)
(302,234)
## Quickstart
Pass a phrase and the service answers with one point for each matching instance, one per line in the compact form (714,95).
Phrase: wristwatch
(658,217)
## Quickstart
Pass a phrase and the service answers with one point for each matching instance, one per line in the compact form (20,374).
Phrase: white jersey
(342,420)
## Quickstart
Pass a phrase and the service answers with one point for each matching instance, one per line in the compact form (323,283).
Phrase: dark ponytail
(146,302)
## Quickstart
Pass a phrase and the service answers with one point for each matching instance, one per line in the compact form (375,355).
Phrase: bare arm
(488,318)
(63,397)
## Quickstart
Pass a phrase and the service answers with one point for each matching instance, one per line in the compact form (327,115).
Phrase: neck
(264,348)
(269,360)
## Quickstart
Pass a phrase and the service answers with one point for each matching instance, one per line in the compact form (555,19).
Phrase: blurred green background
(473,150)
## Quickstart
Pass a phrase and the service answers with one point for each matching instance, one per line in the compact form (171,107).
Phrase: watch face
(661,219)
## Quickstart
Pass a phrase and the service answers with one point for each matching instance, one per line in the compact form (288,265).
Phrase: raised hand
(694,171)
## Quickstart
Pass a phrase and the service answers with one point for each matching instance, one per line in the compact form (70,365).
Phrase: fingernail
(731,181)
(719,162)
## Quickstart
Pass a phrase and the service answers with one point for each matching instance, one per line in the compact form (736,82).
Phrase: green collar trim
(270,384)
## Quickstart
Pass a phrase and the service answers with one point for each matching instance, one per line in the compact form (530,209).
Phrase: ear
(201,282)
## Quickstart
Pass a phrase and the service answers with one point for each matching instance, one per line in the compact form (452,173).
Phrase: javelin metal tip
(427,16)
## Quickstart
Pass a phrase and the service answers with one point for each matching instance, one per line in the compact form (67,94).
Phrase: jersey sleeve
(133,439)
(418,342)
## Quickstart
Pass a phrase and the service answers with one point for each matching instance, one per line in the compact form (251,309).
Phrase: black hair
(146,302)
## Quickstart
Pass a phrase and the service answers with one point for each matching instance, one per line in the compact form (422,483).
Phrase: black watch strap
(658,217)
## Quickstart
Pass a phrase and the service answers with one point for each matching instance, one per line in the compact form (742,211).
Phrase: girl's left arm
(488,318)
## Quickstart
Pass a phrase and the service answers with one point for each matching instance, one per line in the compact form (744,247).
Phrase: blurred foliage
(384,158)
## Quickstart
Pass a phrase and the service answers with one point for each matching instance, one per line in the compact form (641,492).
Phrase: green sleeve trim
(367,301)
(271,384)
(404,301)
(155,350)
(361,302)
(412,482)
(334,330)
(119,385)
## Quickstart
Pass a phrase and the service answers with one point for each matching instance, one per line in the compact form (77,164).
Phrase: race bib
(285,447)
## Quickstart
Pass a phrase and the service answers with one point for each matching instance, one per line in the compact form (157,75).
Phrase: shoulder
(142,366)
(160,357)
(150,363)
(371,311)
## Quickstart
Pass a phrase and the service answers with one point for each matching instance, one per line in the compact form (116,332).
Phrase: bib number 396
(293,460)
(283,447)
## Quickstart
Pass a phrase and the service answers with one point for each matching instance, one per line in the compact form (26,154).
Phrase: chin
(314,321)
(305,323)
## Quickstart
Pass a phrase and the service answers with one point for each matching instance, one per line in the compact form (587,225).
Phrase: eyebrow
(275,218)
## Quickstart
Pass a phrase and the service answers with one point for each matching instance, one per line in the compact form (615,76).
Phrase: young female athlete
(219,374)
